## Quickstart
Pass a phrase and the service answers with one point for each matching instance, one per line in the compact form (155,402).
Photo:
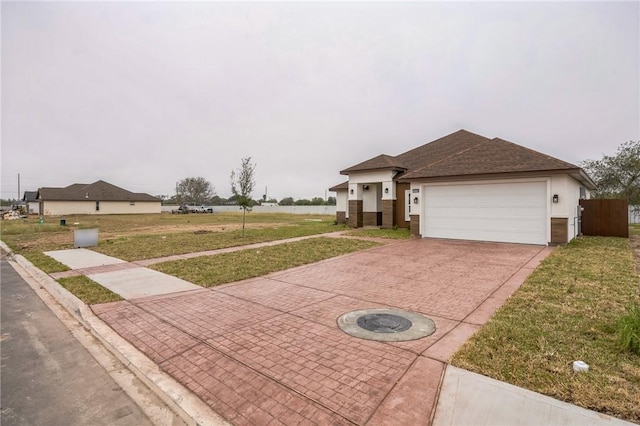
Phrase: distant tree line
(198,191)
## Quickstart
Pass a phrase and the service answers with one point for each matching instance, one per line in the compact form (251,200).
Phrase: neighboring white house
(466,186)
(96,198)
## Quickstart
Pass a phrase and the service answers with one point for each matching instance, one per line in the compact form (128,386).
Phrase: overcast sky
(144,94)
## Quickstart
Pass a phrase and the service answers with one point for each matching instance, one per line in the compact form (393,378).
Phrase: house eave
(347,172)
(487,176)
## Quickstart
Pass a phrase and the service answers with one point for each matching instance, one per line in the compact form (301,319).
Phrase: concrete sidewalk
(125,279)
(468,398)
(314,294)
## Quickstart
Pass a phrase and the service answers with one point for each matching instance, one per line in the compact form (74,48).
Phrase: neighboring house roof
(340,187)
(464,153)
(30,196)
(97,191)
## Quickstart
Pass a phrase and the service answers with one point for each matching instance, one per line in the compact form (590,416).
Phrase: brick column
(415,225)
(388,214)
(355,213)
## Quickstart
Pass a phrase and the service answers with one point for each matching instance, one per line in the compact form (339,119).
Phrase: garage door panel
(513,212)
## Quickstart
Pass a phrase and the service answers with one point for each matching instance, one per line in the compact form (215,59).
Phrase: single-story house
(30,202)
(95,198)
(466,186)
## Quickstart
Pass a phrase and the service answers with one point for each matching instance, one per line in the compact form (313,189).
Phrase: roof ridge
(573,166)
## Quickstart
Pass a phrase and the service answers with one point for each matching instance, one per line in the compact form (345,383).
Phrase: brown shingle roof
(381,162)
(340,187)
(463,153)
(97,191)
(489,157)
(439,149)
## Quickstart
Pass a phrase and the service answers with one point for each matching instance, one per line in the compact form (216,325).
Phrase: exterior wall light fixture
(415,200)
(351,191)
(386,190)
(556,198)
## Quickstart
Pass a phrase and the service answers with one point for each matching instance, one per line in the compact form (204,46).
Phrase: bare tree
(242,183)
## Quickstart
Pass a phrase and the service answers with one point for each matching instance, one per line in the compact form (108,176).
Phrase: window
(97,206)
(132,203)
(583,192)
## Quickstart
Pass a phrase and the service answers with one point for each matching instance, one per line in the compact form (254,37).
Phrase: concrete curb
(178,398)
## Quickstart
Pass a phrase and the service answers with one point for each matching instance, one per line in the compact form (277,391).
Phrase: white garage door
(507,212)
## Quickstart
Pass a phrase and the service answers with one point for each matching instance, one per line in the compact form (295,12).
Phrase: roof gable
(30,196)
(381,162)
(97,191)
(440,149)
(340,187)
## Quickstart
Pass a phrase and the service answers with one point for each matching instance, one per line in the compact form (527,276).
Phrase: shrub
(629,329)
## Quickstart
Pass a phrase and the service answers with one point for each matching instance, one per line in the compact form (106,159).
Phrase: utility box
(85,237)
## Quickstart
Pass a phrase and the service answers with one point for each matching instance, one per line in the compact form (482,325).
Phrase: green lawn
(87,290)
(394,234)
(137,247)
(135,237)
(567,310)
(209,271)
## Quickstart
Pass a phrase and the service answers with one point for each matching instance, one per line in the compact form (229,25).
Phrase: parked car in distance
(180,210)
(196,209)
(184,209)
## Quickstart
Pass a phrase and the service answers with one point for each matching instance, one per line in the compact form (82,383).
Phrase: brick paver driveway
(268,351)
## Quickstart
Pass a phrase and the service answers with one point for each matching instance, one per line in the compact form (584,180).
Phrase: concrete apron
(410,399)
(397,383)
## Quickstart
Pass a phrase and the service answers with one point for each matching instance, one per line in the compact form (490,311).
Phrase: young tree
(194,190)
(617,175)
(242,183)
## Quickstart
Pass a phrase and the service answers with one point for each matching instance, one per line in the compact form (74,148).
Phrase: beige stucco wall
(372,198)
(60,208)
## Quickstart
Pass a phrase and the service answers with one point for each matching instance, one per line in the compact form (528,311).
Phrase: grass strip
(45,263)
(209,271)
(153,246)
(393,234)
(567,310)
(89,291)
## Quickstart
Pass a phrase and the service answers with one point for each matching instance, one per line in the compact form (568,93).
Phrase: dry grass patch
(135,237)
(223,268)
(567,310)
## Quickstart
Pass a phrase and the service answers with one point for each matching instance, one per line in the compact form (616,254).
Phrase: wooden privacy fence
(605,218)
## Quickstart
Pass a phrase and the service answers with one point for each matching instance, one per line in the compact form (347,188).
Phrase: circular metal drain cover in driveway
(383,323)
(386,325)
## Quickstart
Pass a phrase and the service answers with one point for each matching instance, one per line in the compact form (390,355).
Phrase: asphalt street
(47,376)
